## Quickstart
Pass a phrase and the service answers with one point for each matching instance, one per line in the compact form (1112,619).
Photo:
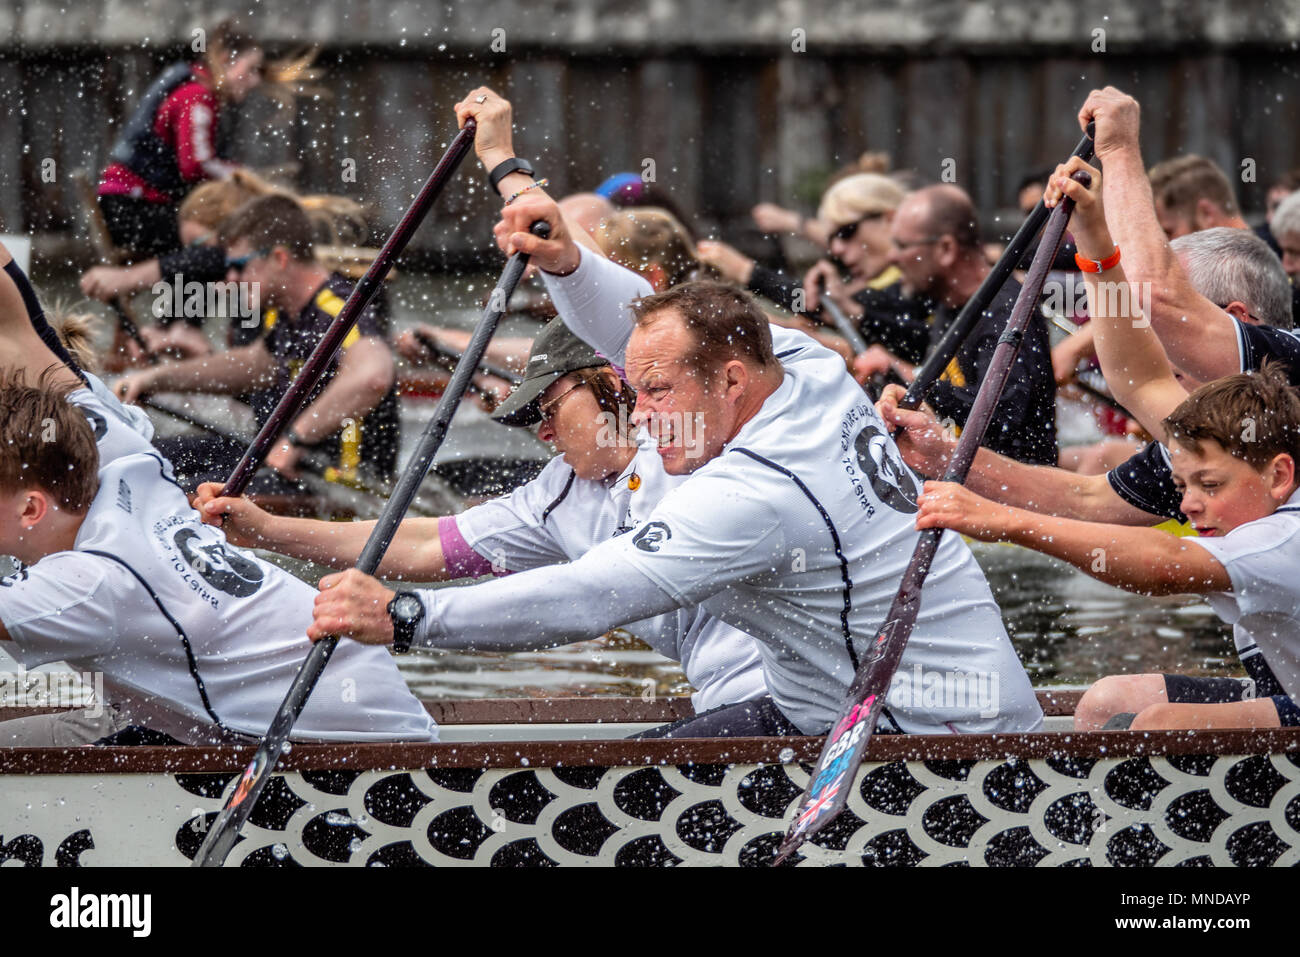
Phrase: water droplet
(785,755)
(279,851)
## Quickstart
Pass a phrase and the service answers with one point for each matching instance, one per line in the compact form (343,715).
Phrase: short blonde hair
(643,236)
(856,197)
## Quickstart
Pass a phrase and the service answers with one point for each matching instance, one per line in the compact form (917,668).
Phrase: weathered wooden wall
(712,92)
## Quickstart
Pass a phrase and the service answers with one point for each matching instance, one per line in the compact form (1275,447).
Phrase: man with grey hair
(1203,291)
(1235,270)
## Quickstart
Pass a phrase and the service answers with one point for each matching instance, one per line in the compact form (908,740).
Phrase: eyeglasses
(846,232)
(239,262)
(550,408)
(907,244)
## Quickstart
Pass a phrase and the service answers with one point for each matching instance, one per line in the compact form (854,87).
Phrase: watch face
(407,607)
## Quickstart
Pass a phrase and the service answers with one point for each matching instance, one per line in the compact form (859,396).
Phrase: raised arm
(591,292)
(1132,359)
(494,145)
(1198,335)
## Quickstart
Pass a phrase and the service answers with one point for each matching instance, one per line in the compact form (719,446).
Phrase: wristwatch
(506,167)
(407,611)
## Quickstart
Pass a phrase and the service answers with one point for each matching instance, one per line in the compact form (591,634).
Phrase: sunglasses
(845,232)
(239,262)
(551,407)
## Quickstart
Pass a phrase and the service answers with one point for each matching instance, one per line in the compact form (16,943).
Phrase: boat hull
(1049,799)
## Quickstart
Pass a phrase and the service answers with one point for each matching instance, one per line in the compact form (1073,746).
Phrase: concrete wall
(734,102)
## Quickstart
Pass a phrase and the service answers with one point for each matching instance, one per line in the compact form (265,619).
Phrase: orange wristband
(1097,265)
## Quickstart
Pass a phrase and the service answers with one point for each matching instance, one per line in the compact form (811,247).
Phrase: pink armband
(461,560)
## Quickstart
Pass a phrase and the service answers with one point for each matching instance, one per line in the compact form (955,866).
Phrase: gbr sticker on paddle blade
(829,790)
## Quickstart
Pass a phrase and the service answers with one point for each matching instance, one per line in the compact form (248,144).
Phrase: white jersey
(798,534)
(1263,606)
(195,638)
(558,517)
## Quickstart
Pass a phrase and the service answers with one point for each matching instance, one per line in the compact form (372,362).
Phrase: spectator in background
(936,240)
(1191,194)
(858,210)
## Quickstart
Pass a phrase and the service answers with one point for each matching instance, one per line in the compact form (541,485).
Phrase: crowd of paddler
(724,484)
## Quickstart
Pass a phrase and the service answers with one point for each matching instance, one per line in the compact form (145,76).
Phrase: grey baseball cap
(556,352)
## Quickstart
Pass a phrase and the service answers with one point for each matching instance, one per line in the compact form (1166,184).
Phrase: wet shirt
(375,439)
(797,534)
(559,517)
(1263,606)
(1024,422)
(195,638)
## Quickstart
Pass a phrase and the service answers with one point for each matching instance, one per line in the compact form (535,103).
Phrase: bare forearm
(1142,560)
(1135,228)
(235,370)
(415,553)
(1132,359)
(1051,491)
(1196,333)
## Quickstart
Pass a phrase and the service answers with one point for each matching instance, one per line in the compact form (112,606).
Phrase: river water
(1068,628)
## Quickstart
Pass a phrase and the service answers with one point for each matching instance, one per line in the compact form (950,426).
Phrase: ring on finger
(481,99)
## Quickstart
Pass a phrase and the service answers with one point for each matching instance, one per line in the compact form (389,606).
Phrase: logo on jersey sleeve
(652,536)
(889,477)
(220,567)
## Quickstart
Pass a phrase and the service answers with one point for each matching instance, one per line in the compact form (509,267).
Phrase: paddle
(442,354)
(128,326)
(935,364)
(836,768)
(842,323)
(225,829)
(292,402)
(318,474)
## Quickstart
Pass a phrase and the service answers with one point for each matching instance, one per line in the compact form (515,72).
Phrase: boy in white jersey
(795,523)
(604,483)
(1241,494)
(196,640)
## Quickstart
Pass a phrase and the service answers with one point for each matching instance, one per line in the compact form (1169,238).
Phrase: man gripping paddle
(794,524)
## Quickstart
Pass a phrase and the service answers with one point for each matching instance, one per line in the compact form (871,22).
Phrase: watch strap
(506,167)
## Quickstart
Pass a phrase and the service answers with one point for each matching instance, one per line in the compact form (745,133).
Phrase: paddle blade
(837,767)
(224,833)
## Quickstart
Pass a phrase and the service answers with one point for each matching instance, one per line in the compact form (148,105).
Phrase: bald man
(587,210)
(936,239)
